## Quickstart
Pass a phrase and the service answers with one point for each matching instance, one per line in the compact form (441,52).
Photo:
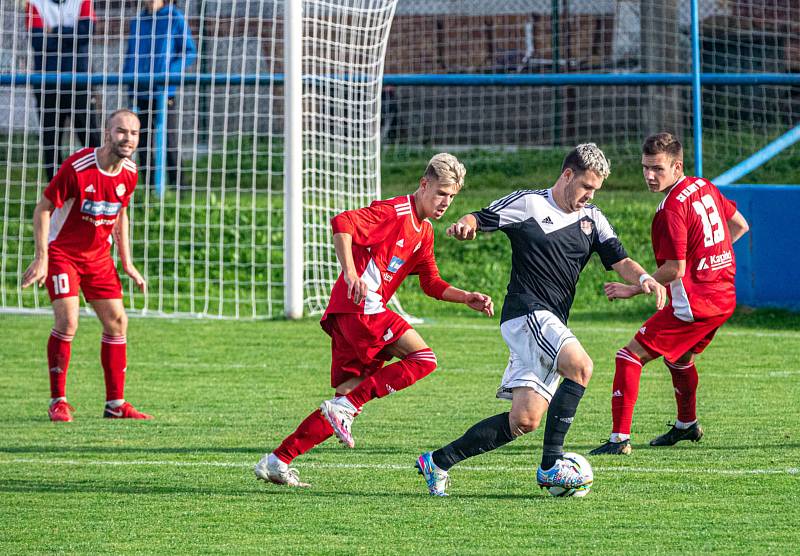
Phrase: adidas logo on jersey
(90,189)
(400,242)
(547,220)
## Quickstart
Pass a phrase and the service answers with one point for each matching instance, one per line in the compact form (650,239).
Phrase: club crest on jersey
(395,264)
(121,189)
(587,227)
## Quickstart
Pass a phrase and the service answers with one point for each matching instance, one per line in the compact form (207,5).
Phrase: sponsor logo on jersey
(395,264)
(121,189)
(90,189)
(400,242)
(716,262)
(100,208)
(587,227)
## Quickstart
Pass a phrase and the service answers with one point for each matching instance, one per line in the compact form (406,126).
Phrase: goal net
(207,219)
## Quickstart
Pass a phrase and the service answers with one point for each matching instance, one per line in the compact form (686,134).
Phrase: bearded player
(693,232)
(82,207)
(377,247)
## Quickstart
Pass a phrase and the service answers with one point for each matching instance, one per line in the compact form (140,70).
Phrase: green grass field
(225,392)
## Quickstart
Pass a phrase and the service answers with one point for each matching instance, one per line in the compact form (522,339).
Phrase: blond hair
(446,170)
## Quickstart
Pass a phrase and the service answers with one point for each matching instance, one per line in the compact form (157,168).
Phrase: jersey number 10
(713,230)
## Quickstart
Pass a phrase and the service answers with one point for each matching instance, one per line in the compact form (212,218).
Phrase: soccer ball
(584,468)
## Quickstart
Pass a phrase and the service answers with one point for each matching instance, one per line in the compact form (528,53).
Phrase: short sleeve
(368,226)
(728,206)
(606,243)
(63,186)
(509,210)
(669,236)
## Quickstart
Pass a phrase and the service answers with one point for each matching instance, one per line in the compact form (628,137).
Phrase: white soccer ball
(583,467)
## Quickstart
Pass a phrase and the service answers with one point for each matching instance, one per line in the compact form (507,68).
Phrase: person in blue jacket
(159,41)
(60,32)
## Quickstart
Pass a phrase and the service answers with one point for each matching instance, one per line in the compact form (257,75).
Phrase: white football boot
(271,469)
(340,414)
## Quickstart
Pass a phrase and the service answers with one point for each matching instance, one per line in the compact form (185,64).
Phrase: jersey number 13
(713,230)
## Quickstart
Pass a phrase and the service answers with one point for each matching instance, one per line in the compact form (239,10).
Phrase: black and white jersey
(549,248)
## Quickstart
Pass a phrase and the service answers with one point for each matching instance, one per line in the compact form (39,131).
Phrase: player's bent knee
(523,423)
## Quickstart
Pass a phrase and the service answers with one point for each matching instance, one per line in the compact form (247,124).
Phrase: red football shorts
(97,279)
(665,334)
(357,341)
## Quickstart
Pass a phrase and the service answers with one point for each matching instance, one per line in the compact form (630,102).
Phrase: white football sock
(683,426)
(619,437)
(114,404)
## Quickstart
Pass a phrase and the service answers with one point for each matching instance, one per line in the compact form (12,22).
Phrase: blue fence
(767,271)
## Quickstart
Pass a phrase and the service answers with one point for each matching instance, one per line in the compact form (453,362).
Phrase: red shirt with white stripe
(389,243)
(691,224)
(46,14)
(87,201)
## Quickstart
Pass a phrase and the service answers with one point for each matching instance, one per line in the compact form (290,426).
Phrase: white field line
(396,467)
(581,329)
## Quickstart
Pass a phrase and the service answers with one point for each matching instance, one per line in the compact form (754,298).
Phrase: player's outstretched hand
(651,287)
(615,290)
(356,288)
(137,278)
(36,272)
(480,302)
(461,231)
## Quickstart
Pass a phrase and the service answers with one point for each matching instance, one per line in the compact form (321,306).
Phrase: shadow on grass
(331,490)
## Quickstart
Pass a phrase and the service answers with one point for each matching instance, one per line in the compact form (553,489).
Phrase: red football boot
(125,411)
(60,411)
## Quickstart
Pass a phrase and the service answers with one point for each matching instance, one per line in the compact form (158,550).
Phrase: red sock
(625,390)
(394,377)
(685,379)
(314,430)
(59,347)
(114,358)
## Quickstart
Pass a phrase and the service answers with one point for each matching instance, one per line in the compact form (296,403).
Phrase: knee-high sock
(113,356)
(559,418)
(684,380)
(59,348)
(314,430)
(394,377)
(482,437)
(625,391)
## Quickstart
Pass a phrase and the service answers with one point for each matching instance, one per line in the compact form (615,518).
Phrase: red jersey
(87,201)
(691,224)
(389,243)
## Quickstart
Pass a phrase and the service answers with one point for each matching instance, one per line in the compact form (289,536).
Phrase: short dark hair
(116,113)
(587,156)
(663,142)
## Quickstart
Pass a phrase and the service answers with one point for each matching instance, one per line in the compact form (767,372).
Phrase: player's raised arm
(37,270)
